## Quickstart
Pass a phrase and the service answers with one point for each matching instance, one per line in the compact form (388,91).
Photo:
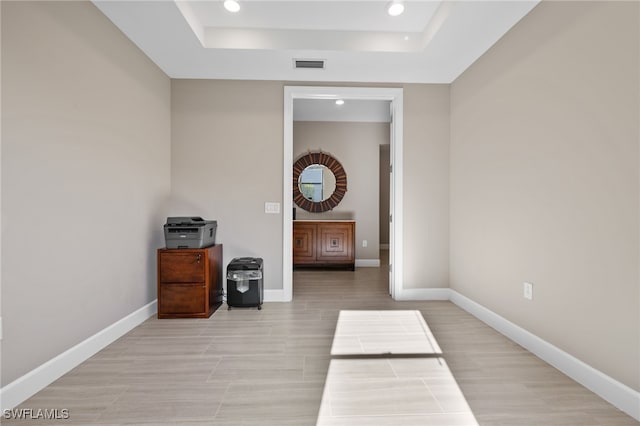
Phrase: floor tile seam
(279,368)
(282,379)
(271,382)
(213,370)
(395,373)
(215,415)
(376,380)
(244,356)
(260,328)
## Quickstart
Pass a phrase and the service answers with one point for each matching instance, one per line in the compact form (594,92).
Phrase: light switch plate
(528,291)
(273,208)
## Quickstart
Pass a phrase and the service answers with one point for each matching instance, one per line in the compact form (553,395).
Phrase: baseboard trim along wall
(273,295)
(37,379)
(609,389)
(423,294)
(367,263)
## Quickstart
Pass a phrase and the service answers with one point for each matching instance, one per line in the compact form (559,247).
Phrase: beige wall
(85,174)
(227,161)
(426,186)
(544,181)
(356,146)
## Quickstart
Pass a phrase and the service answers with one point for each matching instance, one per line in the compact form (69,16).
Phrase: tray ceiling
(431,42)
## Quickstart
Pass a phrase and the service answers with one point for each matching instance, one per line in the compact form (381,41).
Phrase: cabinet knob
(198,257)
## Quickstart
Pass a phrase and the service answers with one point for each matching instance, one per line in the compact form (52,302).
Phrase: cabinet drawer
(182,299)
(182,267)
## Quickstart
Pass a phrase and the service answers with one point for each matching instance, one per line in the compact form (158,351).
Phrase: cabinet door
(182,267)
(176,298)
(336,242)
(304,246)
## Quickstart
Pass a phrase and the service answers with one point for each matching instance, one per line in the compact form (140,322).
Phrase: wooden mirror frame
(336,168)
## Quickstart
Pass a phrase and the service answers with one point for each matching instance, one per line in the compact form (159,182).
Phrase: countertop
(324,220)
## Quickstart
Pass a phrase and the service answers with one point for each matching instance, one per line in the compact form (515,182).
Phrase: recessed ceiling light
(232,6)
(395,8)
(340,102)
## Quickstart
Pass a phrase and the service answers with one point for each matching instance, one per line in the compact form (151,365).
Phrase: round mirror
(319,182)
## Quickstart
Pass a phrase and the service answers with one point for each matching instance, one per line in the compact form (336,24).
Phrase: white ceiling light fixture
(395,8)
(340,102)
(232,6)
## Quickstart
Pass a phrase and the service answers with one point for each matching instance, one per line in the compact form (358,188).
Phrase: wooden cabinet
(324,243)
(304,243)
(189,282)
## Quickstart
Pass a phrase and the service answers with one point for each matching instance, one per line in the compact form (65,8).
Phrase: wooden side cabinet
(324,243)
(189,282)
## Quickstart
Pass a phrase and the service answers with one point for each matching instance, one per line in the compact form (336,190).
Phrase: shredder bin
(245,282)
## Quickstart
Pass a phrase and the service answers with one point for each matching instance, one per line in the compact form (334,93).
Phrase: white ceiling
(432,42)
(352,110)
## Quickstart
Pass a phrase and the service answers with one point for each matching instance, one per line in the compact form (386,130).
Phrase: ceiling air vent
(317,64)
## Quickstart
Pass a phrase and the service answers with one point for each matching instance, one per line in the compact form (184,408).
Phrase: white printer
(189,232)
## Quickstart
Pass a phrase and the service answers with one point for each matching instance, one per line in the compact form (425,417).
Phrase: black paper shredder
(245,282)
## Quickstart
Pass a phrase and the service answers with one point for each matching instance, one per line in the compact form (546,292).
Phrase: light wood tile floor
(247,367)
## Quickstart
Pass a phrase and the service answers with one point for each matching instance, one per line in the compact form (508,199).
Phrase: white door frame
(395,96)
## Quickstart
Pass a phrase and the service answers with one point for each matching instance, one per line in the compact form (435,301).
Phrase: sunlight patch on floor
(387,369)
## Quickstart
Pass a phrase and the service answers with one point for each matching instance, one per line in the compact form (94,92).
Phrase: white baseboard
(37,379)
(609,389)
(367,263)
(274,295)
(422,294)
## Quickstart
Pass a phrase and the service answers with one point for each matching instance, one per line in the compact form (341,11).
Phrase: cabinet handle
(198,257)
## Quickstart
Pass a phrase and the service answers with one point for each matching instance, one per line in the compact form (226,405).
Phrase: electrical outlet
(364,243)
(527,291)
(273,208)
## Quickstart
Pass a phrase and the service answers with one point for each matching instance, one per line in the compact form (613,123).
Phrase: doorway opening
(395,98)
